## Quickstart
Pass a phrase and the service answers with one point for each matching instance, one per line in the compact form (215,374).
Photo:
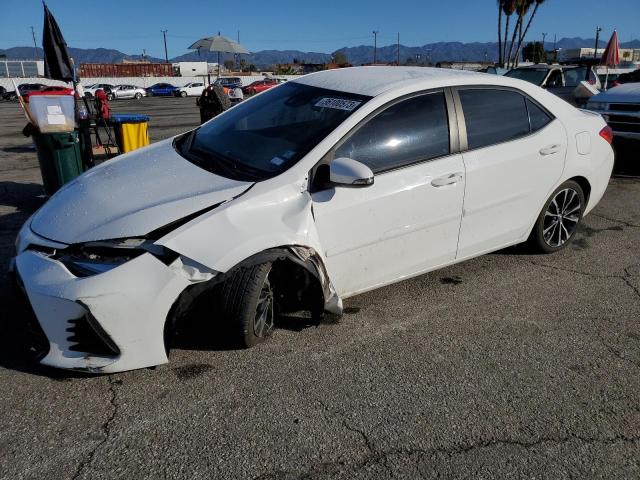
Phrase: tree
(522,37)
(534,51)
(508,8)
(522,7)
(229,64)
(500,7)
(340,58)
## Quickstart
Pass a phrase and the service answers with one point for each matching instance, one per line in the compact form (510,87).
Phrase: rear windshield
(262,137)
(532,75)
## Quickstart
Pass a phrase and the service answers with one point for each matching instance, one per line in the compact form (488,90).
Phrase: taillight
(607,134)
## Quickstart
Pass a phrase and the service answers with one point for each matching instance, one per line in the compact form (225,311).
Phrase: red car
(54,90)
(260,86)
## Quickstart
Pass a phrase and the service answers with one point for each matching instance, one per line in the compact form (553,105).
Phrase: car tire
(110,96)
(247,304)
(557,224)
(183,94)
(138,96)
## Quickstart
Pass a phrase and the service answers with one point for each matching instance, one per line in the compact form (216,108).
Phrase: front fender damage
(326,300)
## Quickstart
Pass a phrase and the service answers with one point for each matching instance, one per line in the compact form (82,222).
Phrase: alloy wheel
(264,318)
(562,217)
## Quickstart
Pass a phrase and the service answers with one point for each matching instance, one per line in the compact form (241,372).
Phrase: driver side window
(411,131)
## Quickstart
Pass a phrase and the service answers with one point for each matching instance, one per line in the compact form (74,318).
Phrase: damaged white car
(324,187)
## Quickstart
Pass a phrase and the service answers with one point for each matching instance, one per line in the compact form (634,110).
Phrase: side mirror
(347,172)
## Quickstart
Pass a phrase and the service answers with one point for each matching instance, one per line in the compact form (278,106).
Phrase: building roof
(375,80)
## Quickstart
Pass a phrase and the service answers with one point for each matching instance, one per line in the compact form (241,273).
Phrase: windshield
(264,136)
(533,75)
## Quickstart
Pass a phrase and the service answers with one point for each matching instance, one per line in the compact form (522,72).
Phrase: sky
(308,25)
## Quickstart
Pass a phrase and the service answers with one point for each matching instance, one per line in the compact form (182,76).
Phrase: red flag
(611,55)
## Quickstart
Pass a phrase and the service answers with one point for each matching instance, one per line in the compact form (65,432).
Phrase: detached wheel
(558,222)
(247,304)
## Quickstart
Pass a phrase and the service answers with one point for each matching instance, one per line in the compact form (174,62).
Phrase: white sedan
(330,185)
(191,89)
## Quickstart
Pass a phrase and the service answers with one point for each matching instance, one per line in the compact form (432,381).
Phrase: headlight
(92,258)
(598,106)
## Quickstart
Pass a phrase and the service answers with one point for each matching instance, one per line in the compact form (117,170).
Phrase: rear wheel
(558,222)
(247,302)
(183,94)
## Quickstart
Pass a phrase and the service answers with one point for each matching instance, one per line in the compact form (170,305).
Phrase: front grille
(625,107)
(87,336)
(624,119)
(625,127)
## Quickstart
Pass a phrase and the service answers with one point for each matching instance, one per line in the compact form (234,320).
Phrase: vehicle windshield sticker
(277,161)
(288,155)
(338,103)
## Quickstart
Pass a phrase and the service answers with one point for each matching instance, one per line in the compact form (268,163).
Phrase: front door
(408,221)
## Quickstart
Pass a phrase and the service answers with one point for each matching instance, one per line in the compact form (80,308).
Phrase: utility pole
(35,47)
(595,50)
(237,55)
(544,35)
(375,46)
(166,56)
(398,63)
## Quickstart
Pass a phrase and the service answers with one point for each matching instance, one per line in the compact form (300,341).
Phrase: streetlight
(375,45)
(595,50)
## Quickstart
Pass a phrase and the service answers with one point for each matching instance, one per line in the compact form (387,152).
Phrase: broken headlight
(92,258)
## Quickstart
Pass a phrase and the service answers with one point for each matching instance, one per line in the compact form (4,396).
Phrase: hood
(131,196)
(626,93)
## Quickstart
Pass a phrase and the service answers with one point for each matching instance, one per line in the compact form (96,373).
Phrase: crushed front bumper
(105,323)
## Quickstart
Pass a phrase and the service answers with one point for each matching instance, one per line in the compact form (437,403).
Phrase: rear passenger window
(493,116)
(410,131)
(538,118)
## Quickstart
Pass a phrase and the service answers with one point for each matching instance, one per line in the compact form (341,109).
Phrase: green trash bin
(59,157)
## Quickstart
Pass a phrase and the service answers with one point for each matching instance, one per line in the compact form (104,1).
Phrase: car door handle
(449,179)
(551,149)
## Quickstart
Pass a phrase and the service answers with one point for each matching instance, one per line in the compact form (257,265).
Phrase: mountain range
(432,52)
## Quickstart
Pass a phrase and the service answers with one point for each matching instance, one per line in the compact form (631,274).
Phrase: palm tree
(500,5)
(533,14)
(522,7)
(508,8)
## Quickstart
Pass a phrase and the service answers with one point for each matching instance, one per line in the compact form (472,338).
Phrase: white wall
(139,81)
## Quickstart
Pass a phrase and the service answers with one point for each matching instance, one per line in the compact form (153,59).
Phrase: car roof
(374,80)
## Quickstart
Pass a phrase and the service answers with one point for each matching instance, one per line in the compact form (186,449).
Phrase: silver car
(126,91)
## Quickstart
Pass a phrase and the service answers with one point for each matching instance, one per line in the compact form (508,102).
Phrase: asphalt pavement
(507,366)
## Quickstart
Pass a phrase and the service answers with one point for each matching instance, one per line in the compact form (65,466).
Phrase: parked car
(620,107)
(260,86)
(229,82)
(51,90)
(299,198)
(24,89)
(126,91)
(495,70)
(191,89)
(629,77)
(90,91)
(561,80)
(161,90)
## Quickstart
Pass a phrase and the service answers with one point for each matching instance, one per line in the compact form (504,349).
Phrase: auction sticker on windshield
(338,103)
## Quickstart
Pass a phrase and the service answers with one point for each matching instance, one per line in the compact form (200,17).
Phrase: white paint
(408,222)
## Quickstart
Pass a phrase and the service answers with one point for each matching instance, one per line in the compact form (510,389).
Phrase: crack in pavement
(367,441)
(106,428)
(382,457)
(625,278)
(615,220)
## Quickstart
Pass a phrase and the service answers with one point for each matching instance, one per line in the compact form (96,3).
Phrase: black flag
(57,62)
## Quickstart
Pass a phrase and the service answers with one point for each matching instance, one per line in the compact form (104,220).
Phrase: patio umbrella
(219,44)
(611,55)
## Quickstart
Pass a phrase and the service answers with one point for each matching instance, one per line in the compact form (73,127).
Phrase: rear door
(408,221)
(514,157)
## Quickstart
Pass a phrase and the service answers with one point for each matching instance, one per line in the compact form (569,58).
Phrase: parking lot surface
(507,366)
